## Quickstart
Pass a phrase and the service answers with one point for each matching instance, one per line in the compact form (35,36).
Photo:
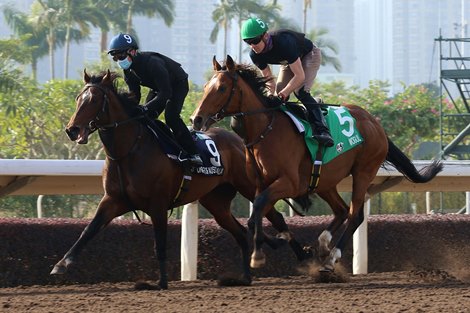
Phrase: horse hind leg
(340,210)
(355,218)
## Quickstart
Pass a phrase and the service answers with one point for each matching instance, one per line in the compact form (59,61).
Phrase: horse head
(220,96)
(91,110)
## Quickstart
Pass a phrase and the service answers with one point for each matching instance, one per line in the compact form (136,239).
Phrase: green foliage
(35,127)
(409,117)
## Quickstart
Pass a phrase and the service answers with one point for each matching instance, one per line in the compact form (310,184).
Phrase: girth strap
(184,185)
(316,169)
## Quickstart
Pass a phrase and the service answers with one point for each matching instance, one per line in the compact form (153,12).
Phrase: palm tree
(222,15)
(326,45)
(120,12)
(82,14)
(307,5)
(33,37)
(149,8)
(45,16)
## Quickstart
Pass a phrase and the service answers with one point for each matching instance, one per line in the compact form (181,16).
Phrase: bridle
(219,115)
(94,124)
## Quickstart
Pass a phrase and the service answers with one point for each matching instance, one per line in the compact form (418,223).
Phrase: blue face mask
(124,64)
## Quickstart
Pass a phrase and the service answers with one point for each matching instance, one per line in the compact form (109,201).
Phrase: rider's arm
(133,84)
(297,80)
(162,84)
(271,84)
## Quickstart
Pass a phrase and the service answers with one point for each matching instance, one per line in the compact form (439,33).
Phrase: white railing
(46,177)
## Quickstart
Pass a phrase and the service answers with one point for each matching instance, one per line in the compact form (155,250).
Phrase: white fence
(52,177)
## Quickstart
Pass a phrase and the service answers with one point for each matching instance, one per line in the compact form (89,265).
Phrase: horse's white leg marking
(329,264)
(323,243)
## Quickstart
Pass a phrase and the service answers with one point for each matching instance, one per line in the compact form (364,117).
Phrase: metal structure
(454,68)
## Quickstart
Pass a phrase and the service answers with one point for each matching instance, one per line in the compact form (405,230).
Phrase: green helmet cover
(253,27)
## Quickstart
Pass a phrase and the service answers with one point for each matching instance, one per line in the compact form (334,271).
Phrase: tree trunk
(50,41)
(67,50)
(104,41)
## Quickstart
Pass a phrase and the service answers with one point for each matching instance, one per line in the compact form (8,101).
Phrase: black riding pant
(173,119)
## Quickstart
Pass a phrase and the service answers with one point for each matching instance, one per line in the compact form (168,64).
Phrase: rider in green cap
(299,59)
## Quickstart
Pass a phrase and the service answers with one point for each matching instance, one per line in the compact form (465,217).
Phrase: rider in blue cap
(168,84)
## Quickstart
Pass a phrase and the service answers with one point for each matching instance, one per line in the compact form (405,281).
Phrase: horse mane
(125,98)
(253,77)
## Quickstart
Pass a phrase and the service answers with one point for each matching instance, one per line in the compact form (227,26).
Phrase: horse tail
(404,165)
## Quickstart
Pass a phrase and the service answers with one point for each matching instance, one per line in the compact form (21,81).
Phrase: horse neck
(121,136)
(254,124)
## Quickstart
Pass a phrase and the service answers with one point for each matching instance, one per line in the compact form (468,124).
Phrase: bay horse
(138,174)
(277,156)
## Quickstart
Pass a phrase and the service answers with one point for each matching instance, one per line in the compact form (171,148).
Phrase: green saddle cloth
(342,128)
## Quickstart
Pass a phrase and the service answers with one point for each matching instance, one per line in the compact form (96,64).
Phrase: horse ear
(107,78)
(216,65)
(86,77)
(230,63)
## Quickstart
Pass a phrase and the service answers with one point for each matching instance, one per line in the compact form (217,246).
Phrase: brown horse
(278,158)
(139,175)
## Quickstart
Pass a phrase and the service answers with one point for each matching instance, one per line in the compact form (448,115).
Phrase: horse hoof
(58,270)
(326,269)
(258,259)
(257,263)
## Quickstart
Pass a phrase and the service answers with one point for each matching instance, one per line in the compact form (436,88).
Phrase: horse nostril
(72,133)
(197,123)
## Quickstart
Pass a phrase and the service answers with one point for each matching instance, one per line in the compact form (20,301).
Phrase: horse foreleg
(105,213)
(160,227)
(258,258)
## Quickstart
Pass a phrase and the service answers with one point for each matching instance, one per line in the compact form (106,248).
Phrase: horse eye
(221,89)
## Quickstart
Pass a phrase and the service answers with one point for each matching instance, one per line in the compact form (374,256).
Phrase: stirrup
(324,139)
(195,159)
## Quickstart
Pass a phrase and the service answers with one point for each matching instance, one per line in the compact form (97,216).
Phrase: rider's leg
(174,121)
(315,116)
(310,64)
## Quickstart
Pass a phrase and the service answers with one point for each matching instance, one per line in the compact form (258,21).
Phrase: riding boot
(184,137)
(315,117)
(320,130)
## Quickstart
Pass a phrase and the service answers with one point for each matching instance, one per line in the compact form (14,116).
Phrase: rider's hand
(275,101)
(283,97)
(141,110)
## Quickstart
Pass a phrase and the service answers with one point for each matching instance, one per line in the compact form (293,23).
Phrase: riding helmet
(253,27)
(122,42)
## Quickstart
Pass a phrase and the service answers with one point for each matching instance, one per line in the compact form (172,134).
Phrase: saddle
(173,150)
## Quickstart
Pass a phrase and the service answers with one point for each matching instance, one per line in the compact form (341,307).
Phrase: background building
(388,40)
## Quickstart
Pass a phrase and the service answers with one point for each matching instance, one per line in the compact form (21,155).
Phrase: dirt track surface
(414,291)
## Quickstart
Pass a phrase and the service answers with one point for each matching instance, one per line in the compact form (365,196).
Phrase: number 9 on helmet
(122,42)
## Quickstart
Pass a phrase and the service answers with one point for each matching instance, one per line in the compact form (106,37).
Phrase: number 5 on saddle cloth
(342,128)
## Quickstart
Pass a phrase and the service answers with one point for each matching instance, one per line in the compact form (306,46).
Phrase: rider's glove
(275,101)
